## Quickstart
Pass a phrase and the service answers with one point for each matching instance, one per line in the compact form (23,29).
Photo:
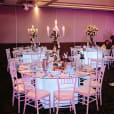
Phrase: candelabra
(33,32)
(56,34)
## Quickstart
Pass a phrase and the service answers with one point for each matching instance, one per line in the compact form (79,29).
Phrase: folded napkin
(23,66)
(63,75)
(40,74)
(19,69)
(25,71)
(83,73)
(89,69)
(51,76)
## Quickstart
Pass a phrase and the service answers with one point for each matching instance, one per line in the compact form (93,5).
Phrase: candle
(39,43)
(58,45)
(56,29)
(28,30)
(48,30)
(63,29)
(32,26)
(36,30)
(55,22)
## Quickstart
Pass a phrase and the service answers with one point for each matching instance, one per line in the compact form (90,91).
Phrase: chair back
(73,52)
(113,51)
(8,54)
(66,83)
(106,52)
(28,82)
(101,74)
(13,73)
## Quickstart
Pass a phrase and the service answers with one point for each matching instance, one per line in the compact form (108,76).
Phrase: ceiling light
(26,8)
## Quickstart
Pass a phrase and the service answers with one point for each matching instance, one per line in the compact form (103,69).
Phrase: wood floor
(6,96)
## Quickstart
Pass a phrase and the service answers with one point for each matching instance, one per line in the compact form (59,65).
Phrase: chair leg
(100,98)
(83,101)
(53,104)
(108,65)
(8,68)
(57,107)
(98,93)
(49,105)
(18,103)
(36,102)
(70,106)
(13,98)
(97,102)
(24,106)
(87,110)
(74,107)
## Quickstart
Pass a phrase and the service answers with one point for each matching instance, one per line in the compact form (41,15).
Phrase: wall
(15,21)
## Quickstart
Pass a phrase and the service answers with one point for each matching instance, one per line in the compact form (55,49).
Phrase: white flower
(33,31)
(91,30)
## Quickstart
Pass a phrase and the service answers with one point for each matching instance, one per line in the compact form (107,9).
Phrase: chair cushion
(20,81)
(93,83)
(64,95)
(20,88)
(39,95)
(84,90)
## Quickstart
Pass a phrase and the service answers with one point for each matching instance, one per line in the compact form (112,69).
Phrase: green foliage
(91,42)
(55,39)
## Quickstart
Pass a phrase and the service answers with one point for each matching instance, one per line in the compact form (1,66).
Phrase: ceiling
(75,4)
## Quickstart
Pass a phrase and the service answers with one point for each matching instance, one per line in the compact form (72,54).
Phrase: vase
(57,52)
(33,46)
(91,43)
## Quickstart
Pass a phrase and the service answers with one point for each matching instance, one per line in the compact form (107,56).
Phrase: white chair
(87,95)
(17,53)
(73,52)
(38,96)
(18,87)
(108,60)
(106,52)
(113,51)
(96,63)
(8,55)
(65,94)
(97,82)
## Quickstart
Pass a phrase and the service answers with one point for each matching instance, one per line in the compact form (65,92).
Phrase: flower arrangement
(54,54)
(33,32)
(91,31)
(55,35)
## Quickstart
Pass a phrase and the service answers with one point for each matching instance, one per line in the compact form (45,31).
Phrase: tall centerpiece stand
(55,34)
(33,33)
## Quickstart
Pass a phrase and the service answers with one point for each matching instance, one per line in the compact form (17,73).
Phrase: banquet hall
(43,42)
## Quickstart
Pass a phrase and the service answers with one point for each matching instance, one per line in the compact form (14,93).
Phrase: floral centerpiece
(55,57)
(55,35)
(56,45)
(91,31)
(33,32)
